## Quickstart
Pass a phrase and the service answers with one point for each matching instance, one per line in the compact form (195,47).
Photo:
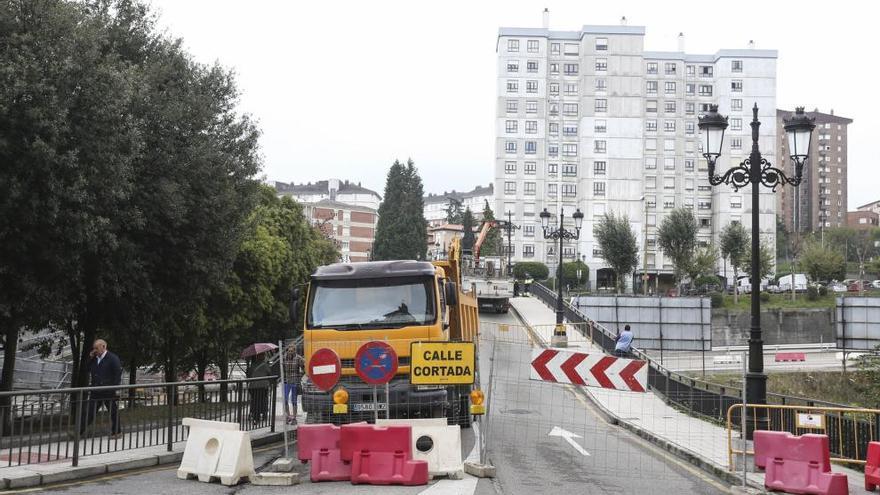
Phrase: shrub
(717,300)
(533,269)
(765,297)
(823,291)
(812,293)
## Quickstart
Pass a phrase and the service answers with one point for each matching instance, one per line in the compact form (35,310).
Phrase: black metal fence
(50,425)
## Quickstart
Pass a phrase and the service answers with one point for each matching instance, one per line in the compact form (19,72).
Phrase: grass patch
(851,388)
(779,301)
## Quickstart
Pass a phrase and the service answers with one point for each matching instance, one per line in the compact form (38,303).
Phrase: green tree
(677,238)
(570,273)
(467,227)
(530,269)
(401,232)
(618,244)
(454,211)
(874,267)
(735,243)
(703,263)
(767,260)
(782,236)
(822,262)
(493,238)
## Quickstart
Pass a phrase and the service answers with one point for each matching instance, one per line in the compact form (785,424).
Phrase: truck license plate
(368,406)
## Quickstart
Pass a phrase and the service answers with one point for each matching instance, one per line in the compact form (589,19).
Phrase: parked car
(857,285)
(837,287)
(800,282)
(875,284)
(745,285)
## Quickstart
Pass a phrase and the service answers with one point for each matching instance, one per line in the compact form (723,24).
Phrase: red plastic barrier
(872,466)
(798,464)
(381,455)
(790,356)
(320,445)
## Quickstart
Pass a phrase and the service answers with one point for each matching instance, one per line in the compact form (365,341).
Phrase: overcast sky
(342,89)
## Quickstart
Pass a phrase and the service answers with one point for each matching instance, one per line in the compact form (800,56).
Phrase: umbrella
(254,349)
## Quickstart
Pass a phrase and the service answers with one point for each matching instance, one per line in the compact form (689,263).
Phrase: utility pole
(510,227)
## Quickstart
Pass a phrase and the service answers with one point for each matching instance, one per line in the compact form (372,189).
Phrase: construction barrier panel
(872,467)
(434,442)
(320,444)
(216,450)
(381,455)
(799,464)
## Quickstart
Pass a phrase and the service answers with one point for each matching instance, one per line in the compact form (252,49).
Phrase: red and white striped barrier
(591,370)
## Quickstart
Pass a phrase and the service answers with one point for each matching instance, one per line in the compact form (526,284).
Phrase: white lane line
(467,486)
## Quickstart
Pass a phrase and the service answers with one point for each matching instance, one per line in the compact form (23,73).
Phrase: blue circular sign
(376,363)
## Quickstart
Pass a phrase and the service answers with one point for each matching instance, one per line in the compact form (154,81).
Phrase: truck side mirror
(293,309)
(451,293)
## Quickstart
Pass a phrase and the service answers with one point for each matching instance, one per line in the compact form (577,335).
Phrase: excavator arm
(484,232)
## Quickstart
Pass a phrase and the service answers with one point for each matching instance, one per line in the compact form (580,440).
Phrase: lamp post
(559,338)
(757,171)
(509,227)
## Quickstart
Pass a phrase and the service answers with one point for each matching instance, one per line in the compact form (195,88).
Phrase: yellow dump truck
(404,304)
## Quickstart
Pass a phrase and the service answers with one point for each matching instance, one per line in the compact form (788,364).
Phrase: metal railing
(50,425)
(695,396)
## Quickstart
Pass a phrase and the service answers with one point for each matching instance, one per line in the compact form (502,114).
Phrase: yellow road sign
(442,363)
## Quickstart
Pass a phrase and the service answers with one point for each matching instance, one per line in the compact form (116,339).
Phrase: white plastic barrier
(215,449)
(435,442)
(727,359)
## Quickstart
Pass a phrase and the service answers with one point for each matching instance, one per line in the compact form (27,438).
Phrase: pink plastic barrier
(790,356)
(798,464)
(381,455)
(320,445)
(872,466)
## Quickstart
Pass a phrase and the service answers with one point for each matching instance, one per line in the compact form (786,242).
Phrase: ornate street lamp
(756,170)
(559,338)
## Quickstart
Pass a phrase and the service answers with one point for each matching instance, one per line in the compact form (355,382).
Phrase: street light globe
(545,218)
(712,126)
(799,129)
(578,219)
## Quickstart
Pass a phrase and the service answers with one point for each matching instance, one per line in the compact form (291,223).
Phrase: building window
(532,66)
(705,188)
(569,129)
(651,144)
(598,189)
(554,68)
(554,89)
(601,44)
(669,87)
(600,126)
(688,164)
(553,150)
(651,106)
(570,109)
(650,201)
(528,249)
(569,190)
(736,104)
(689,128)
(705,90)
(651,87)
(551,190)
(689,108)
(651,182)
(669,126)
(532,46)
(670,67)
(736,143)
(531,147)
(651,162)
(571,89)
(736,124)
(601,84)
(509,167)
(510,126)
(736,66)
(652,68)
(510,147)
(704,204)
(510,187)
(572,49)
(552,168)
(511,106)
(531,107)
(531,86)
(570,69)
(736,202)
(599,146)
(705,223)
(690,88)
(669,163)
(512,85)
(554,48)
(569,149)
(706,70)
(689,186)
(601,105)
(704,107)
(736,86)
(531,127)
(512,45)
(668,202)
(651,125)
(601,64)
(528,231)
(669,183)
(529,188)
(569,169)
(669,107)
(690,69)
(599,168)
(554,128)
(529,168)
(554,108)
(513,66)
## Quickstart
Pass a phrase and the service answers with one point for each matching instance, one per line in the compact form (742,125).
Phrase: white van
(800,282)
(744,285)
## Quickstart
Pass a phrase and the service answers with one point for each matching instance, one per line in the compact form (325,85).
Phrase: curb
(84,472)
(678,451)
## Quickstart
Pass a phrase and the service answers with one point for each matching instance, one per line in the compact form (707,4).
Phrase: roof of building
(329,203)
(819,116)
(460,196)
(374,269)
(866,205)
(323,186)
(571,35)
(711,58)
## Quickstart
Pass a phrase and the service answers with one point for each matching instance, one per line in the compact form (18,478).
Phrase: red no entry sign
(324,369)
(376,363)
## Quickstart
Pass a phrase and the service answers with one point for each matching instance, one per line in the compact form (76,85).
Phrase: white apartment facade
(475,199)
(588,119)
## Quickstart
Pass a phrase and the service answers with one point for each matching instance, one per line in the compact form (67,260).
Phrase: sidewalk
(699,442)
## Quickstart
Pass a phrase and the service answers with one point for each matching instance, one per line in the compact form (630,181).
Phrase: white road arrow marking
(569,437)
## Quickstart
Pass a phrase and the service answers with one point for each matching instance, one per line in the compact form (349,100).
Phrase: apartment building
(589,119)
(333,189)
(475,199)
(821,197)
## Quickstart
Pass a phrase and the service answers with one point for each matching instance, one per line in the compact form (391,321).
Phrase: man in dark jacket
(104,370)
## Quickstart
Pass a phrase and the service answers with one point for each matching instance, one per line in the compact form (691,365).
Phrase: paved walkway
(646,413)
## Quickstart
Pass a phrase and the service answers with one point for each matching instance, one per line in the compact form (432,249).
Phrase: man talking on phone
(104,370)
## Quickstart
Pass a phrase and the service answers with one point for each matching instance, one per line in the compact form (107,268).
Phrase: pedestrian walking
(624,342)
(259,389)
(294,366)
(105,369)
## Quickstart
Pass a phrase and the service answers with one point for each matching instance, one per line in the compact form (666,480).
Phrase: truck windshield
(371,303)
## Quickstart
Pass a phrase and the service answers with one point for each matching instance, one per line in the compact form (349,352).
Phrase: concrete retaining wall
(778,326)
(683,323)
(858,322)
